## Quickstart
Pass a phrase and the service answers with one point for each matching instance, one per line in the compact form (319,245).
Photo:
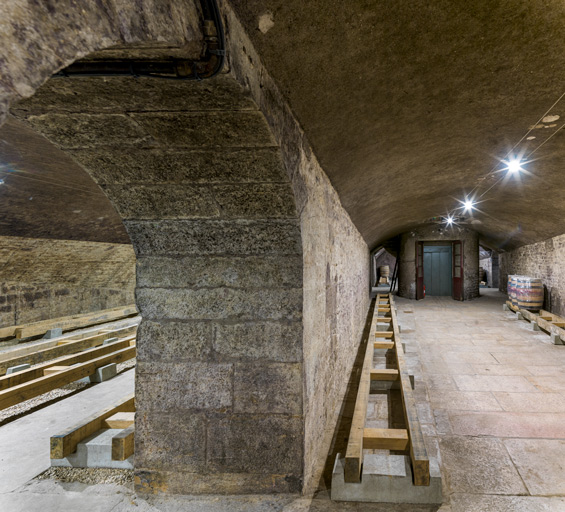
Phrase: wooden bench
(410,438)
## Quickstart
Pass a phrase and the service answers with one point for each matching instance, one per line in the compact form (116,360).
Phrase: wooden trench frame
(411,437)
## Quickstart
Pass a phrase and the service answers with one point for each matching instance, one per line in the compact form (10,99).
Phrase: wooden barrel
(529,293)
(512,280)
(384,271)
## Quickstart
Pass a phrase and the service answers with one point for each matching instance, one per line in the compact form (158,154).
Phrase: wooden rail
(360,437)
(38,371)
(67,322)
(21,392)
(549,322)
(65,443)
(68,347)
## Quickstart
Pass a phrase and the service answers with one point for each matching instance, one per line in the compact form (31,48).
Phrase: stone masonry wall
(39,38)
(545,260)
(42,279)
(407,261)
(198,179)
(335,256)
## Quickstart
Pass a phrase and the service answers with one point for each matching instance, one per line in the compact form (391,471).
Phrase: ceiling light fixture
(513,166)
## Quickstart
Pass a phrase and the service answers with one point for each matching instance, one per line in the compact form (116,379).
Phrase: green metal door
(437,270)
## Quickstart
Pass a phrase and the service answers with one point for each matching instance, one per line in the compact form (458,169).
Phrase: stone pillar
(193,170)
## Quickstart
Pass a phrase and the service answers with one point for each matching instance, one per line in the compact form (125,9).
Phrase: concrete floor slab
(466,401)
(531,402)
(485,503)
(24,443)
(513,383)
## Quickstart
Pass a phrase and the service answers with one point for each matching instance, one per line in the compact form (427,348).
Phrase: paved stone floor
(491,399)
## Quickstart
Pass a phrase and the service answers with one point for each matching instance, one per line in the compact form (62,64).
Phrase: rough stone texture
(336,261)
(407,260)
(39,38)
(42,279)
(545,260)
(211,215)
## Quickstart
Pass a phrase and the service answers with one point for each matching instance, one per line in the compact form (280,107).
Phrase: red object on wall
(420,290)
(457,249)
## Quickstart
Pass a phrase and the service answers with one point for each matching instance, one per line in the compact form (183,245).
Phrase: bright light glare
(449,220)
(1,181)
(468,204)
(514,166)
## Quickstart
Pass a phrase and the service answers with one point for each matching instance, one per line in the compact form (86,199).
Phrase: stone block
(53,333)
(386,479)
(272,341)
(255,201)
(169,386)
(173,341)
(217,271)
(155,166)
(90,130)
(214,237)
(104,373)
(171,201)
(207,129)
(556,339)
(270,388)
(220,303)
(535,326)
(255,444)
(171,440)
(18,368)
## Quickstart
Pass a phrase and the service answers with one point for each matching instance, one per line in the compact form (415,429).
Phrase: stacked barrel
(525,292)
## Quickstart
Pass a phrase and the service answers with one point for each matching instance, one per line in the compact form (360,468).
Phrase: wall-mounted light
(468,205)
(513,166)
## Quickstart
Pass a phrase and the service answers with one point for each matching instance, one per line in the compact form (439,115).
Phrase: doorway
(438,270)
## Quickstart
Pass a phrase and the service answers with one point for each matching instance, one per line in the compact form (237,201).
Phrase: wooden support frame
(410,438)
(19,393)
(37,371)
(68,322)
(123,444)
(65,443)
(51,353)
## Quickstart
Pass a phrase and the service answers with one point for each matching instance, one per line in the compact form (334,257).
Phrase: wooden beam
(58,351)
(65,443)
(385,439)
(27,348)
(120,420)
(383,320)
(54,369)
(384,334)
(387,345)
(74,322)
(123,444)
(37,371)
(384,374)
(383,309)
(354,451)
(418,453)
(558,324)
(36,387)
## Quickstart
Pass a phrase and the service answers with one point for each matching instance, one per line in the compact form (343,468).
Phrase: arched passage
(199,182)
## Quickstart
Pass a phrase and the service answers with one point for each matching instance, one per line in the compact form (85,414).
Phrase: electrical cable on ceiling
(173,69)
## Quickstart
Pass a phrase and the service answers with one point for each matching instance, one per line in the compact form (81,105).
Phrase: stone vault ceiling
(408,105)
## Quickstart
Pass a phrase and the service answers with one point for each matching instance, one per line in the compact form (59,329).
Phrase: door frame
(458,269)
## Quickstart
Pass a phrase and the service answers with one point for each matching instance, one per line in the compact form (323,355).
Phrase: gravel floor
(90,476)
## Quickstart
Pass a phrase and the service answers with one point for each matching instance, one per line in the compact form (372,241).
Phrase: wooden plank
(385,439)
(37,371)
(384,374)
(558,324)
(123,444)
(528,315)
(17,394)
(383,320)
(418,453)
(383,310)
(54,369)
(384,334)
(57,351)
(354,452)
(74,321)
(65,443)
(120,420)
(387,345)
(32,347)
